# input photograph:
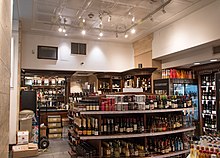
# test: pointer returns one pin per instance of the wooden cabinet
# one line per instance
(134, 78)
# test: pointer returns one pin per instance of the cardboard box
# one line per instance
(22, 151)
(22, 137)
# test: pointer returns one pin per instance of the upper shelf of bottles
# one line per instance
(117, 136)
(134, 111)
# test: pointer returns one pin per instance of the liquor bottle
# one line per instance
(108, 126)
(127, 152)
(121, 128)
(80, 129)
(128, 126)
(142, 125)
(92, 120)
(147, 104)
(89, 131)
(131, 126)
(135, 126)
(84, 128)
(112, 126)
(117, 125)
(125, 125)
(96, 129)
(105, 126)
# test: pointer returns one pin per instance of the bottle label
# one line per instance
(97, 108)
(116, 128)
(147, 107)
(105, 128)
(96, 133)
(135, 127)
(121, 130)
(142, 128)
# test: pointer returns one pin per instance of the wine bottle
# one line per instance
(96, 130)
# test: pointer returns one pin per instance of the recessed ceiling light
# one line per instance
(99, 38)
(65, 34)
(126, 35)
(64, 30)
(213, 60)
(196, 63)
(83, 20)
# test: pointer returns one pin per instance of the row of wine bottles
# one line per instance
(167, 144)
(134, 124)
(209, 106)
(121, 148)
(141, 102)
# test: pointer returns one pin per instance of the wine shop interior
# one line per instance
(110, 78)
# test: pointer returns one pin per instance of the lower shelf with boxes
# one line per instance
(54, 126)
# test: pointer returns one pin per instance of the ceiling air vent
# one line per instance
(78, 48)
(216, 50)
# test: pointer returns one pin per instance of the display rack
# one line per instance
(77, 117)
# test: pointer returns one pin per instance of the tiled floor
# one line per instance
(58, 148)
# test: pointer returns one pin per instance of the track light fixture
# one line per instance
(126, 35)
(100, 34)
(163, 11)
(60, 29)
(133, 30)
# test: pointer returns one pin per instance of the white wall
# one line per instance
(195, 29)
(101, 56)
(14, 87)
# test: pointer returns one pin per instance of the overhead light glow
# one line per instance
(133, 19)
(99, 38)
(83, 20)
(64, 30)
(60, 29)
(83, 32)
(126, 35)
(109, 18)
(133, 31)
(196, 63)
(100, 34)
(65, 34)
(213, 60)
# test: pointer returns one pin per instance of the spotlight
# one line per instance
(65, 34)
(126, 35)
(83, 20)
(60, 29)
(109, 18)
(64, 30)
(133, 19)
(100, 34)
(83, 32)
(133, 31)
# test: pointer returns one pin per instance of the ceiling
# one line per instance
(46, 16)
